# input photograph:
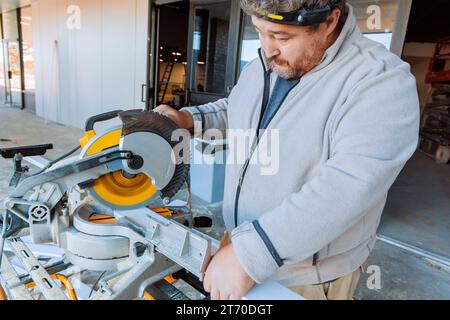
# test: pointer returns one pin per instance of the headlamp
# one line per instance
(303, 17)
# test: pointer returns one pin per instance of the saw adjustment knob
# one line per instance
(136, 163)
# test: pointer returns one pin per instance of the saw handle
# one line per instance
(101, 117)
(28, 151)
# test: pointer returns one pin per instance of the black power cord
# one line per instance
(52, 163)
(96, 283)
(3, 226)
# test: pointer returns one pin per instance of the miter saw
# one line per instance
(108, 207)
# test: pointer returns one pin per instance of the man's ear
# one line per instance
(333, 20)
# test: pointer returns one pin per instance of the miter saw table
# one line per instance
(108, 208)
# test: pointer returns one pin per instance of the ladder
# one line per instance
(164, 84)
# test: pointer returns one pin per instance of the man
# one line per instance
(347, 112)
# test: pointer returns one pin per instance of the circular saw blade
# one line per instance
(138, 121)
(117, 191)
(149, 135)
(157, 155)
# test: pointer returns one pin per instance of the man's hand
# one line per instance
(181, 118)
(225, 279)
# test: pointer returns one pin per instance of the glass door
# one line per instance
(209, 49)
(3, 76)
(249, 43)
(12, 59)
(28, 75)
(171, 54)
(13, 67)
(7, 73)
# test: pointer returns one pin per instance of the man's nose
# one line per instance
(270, 50)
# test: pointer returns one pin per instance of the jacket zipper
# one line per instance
(255, 144)
(256, 141)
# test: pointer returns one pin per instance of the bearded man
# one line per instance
(347, 114)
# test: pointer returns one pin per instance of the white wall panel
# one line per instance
(118, 44)
(140, 63)
(46, 58)
(88, 60)
(98, 68)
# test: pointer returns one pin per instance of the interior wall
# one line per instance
(419, 55)
(94, 69)
(388, 17)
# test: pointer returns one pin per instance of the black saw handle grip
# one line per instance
(101, 117)
(26, 151)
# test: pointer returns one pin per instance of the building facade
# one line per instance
(66, 60)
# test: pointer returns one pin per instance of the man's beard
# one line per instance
(302, 65)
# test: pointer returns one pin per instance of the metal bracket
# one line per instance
(37, 272)
(187, 247)
(12, 283)
(129, 283)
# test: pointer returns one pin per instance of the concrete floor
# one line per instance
(20, 128)
(403, 275)
(418, 207)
